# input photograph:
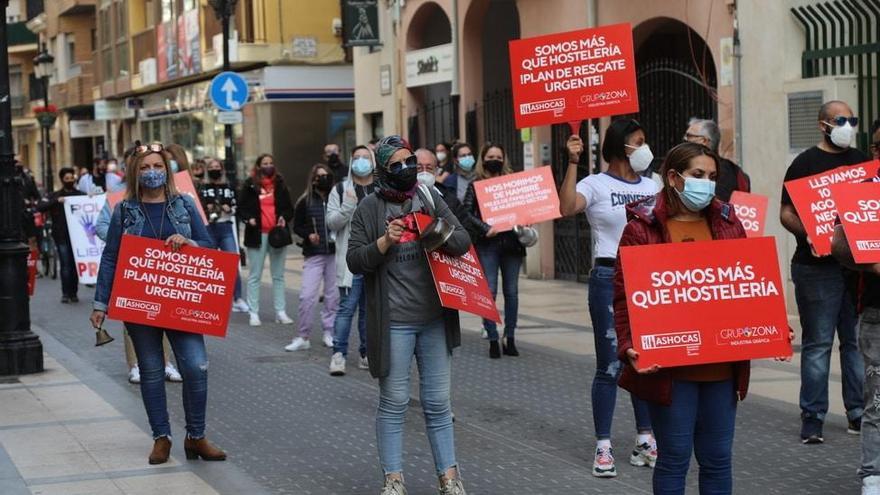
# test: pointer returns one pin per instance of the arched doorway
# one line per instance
(676, 78)
(492, 24)
(433, 118)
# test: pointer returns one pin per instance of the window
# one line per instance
(16, 89)
(167, 10)
(121, 20)
(93, 40)
(70, 50)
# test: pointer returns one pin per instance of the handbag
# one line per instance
(280, 237)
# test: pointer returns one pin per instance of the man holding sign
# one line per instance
(824, 297)
(154, 209)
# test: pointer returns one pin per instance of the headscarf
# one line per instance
(385, 149)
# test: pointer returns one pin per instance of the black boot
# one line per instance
(510, 347)
(494, 349)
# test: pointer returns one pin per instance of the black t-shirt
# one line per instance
(811, 162)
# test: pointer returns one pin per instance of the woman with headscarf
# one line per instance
(404, 315)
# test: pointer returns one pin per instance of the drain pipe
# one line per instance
(737, 69)
(455, 94)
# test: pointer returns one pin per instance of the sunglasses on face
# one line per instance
(840, 121)
(410, 161)
(152, 147)
(688, 137)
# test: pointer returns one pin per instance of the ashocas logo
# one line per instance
(676, 339)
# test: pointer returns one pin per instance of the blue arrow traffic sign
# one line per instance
(229, 91)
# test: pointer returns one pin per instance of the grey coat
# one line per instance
(364, 257)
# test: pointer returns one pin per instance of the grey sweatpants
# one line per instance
(869, 344)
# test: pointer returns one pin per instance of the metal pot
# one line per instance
(527, 236)
(436, 234)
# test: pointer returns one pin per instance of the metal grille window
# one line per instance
(803, 109)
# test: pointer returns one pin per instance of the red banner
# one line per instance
(705, 302)
(460, 281)
(573, 76)
(189, 290)
(751, 209)
(815, 206)
(184, 183)
(859, 209)
(523, 198)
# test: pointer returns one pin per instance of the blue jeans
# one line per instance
(192, 361)
(427, 341)
(701, 420)
(825, 305)
(608, 367)
(256, 259)
(351, 299)
(67, 266)
(492, 259)
(225, 239)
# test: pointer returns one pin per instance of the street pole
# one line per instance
(224, 9)
(20, 349)
(47, 144)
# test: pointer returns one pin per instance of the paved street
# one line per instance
(522, 424)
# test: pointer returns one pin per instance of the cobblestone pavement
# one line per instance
(523, 425)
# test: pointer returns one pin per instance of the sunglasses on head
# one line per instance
(410, 161)
(152, 148)
(839, 121)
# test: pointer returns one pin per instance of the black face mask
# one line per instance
(493, 166)
(323, 182)
(404, 180)
(215, 174)
(69, 185)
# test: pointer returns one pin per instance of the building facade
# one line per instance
(25, 89)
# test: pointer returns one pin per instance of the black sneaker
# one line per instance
(65, 300)
(74, 299)
(811, 431)
(854, 426)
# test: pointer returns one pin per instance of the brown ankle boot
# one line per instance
(202, 448)
(161, 451)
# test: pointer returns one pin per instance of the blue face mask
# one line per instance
(153, 178)
(697, 193)
(466, 163)
(174, 166)
(361, 167)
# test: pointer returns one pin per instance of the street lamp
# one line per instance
(20, 349)
(224, 9)
(43, 70)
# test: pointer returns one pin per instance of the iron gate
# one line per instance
(571, 235)
(671, 91)
(500, 127)
(438, 120)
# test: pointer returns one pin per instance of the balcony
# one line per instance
(76, 91)
(18, 33)
(75, 7)
(143, 46)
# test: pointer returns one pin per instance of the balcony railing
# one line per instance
(76, 91)
(143, 46)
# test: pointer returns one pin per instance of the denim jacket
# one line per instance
(128, 218)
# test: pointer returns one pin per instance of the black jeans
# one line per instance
(69, 278)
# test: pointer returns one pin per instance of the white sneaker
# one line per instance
(484, 334)
(871, 485)
(603, 463)
(328, 339)
(255, 320)
(239, 306)
(171, 373)
(644, 454)
(281, 317)
(134, 375)
(298, 344)
(363, 363)
(337, 364)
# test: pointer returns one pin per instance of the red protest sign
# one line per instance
(189, 290)
(573, 76)
(705, 302)
(460, 280)
(185, 185)
(523, 198)
(815, 206)
(751, 209)
(859, 209)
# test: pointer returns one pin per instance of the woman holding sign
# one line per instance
(693, 408)
(497, 251)
(153, 208)
(404, 315)
(603, 197)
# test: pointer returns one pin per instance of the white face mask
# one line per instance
(842, 135)
(441, 156)
(426, 178)
(641, 158)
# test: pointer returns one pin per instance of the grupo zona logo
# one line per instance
(672, 339)
(556, 105)
(196, 314)
(749, 335)
(150, 308)
(455, 290)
